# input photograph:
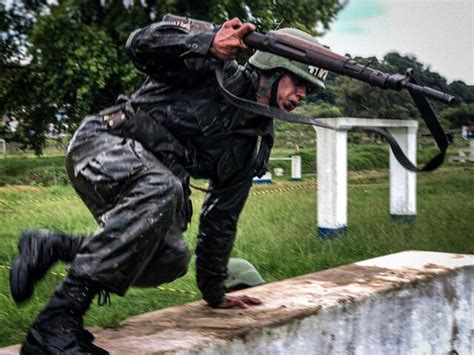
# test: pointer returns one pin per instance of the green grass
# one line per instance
(49, 170)
(276, 233)
(30, 170)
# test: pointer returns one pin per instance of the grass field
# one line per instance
(276, 234)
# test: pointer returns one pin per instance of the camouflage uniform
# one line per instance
(134, 177)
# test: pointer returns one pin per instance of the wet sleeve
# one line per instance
(162, 44)
(217, 230)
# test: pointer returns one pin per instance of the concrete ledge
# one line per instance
(406, 303)
(330, 233)
(349, 122)
(403, 218)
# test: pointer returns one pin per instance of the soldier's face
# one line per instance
(291, 90)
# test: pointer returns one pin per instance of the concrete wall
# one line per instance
(425, 316)
(405, 303)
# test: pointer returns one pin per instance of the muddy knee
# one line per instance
(168, 264)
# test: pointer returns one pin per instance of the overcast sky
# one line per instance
(440, 33)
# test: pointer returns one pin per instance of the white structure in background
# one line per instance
(278, 171)
(467, 134)
(10, 122)
(265, 179)
(332, 172)
(295, 166)
(3, 144)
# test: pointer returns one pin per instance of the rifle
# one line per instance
(317, 55)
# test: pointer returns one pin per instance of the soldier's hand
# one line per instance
(238, 302)
(228, 40)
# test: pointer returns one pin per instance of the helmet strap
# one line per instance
(272, 83)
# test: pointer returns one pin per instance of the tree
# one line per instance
(458, 116)
(359, 99)
(74, 60)
(13, 28)
(462, 91)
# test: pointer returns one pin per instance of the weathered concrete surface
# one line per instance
(405, 303)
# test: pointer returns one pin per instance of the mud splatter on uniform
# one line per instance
(134, 178)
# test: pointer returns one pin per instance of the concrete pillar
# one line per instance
(332, 182)
(3, 144)
(402, 181)
(332, 172)
(295, 167)
(471, 150)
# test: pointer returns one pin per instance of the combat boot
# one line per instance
(39, 250)
(58, 329)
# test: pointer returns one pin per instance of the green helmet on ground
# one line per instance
(268, 61)
(241, 274)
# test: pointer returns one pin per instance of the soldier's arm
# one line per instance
(163, 44)
(217, 230)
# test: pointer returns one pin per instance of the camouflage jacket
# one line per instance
(181, 116)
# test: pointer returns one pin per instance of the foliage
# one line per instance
(291, 135)
(358, 99)
(74, 59)
(462, 91)
(362, 155)
(44, 171)
(61, 60)
(458, 116)
(13, 29)
(320, 110)
(422, 74)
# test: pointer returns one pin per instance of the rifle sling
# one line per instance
(434, 126)
(422, 104)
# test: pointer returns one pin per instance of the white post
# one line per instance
(402, 181)
(332, 182)
(471, 150)
(4, 147)
(295, 167)
(332, 172)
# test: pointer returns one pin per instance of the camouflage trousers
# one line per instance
(138, 204)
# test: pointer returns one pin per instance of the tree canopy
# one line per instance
(61, 60)
(359, 99)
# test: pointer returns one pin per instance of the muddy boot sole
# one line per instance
(21, 278)
(21, 285)
(31, 347)
(28, 349)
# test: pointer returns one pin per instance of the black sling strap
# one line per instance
(420, 101)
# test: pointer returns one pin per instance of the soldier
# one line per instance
(131, 165)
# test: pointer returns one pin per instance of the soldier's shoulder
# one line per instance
(170, 26)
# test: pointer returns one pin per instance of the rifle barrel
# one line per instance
(317, 55)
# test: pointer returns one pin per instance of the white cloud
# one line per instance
(439, 32)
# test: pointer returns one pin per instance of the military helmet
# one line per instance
(269, 61)
(241, 274)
